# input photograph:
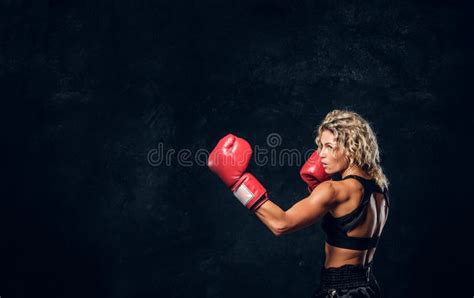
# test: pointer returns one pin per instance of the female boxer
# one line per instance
(352, 210)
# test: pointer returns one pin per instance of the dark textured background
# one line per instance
(88, 88)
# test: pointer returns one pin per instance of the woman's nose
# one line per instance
(322, 153)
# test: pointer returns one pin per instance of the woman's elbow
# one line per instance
(277, 233)
(279, 230)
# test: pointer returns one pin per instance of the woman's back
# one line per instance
(370, 225)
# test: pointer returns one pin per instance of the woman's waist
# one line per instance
(347, 276)
(336, 257)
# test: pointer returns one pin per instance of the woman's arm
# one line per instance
(300, 215)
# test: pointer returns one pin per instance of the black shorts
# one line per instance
(348, 281)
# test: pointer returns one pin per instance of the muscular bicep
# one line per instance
(312, 208)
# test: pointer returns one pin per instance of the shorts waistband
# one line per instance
(347, 276)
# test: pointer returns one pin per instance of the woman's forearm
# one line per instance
(273, 217)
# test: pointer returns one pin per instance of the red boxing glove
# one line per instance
(250, 192)
(229, 160)
(313, 172)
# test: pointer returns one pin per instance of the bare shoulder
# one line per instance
(326, 187)
(344, 189)
(324, 193)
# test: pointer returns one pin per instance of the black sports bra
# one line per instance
(336, 228)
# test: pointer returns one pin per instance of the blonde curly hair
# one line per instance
(354, 134)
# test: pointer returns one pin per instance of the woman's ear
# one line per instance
(350, 162)
(347, 159)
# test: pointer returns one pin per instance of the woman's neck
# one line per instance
(355, 170)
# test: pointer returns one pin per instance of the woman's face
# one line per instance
(332, 156)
